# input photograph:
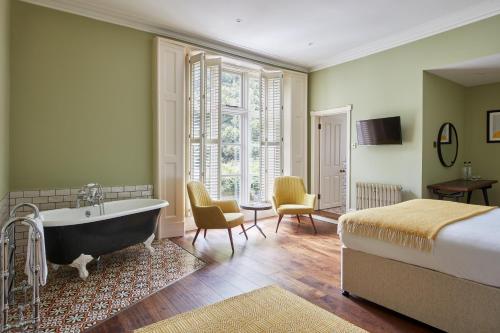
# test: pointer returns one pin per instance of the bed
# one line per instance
(455, 287)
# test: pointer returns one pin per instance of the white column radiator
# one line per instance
(370, 195)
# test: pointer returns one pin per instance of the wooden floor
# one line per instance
(295, 259)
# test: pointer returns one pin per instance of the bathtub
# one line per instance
(76, 236)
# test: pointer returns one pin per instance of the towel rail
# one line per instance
(26, 320)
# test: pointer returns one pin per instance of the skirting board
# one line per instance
(324, 219)
(440, 300)
(171, 229)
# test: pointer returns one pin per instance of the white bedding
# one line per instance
(468, 249)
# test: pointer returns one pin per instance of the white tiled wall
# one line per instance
(46, 199)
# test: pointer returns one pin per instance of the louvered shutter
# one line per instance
(212, 126)
(272, 145)
(263, 138)
(205, 115)
(196, 105)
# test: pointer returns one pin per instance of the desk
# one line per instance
(458, 187)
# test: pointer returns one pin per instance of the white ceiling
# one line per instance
(473, 72)
(339, 30)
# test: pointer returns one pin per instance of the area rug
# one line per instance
(121, 279)
(269, 309)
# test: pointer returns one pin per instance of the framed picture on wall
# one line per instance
(493, 126)
(445, 135)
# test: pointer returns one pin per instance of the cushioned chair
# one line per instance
(290, 198)
(213, 214)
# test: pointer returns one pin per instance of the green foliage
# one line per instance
(231, 128)
(230, 187)
(231, 84)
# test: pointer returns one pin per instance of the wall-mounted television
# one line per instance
(380, 131)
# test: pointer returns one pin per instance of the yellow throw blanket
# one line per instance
(413, 223)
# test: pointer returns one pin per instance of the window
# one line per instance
(232, 89)
(245, 108)
(231, 147)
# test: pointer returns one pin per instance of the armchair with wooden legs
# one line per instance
(290, 198)
(213, 214)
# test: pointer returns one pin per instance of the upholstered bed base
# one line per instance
(440, 300)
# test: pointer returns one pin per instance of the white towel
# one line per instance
(39, 252)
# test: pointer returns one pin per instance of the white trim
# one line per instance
(169, 132)
(175, 229)
(100, 13)
(481, 11)
(331, 112)
(315, 115)
(295, 127)
(478, 12)
(324, 219)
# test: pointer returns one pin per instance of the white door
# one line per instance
(332, 161)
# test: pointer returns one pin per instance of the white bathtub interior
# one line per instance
(113, 209)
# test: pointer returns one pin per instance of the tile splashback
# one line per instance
(4, 209)
(47, 199)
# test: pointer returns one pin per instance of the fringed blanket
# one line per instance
(413, 223)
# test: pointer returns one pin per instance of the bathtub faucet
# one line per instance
(91, 194)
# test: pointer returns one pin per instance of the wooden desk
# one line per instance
(458, 187)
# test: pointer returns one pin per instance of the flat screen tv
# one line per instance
(381, 131)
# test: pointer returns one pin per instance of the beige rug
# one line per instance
(269, 309)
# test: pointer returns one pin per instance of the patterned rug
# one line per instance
(121, 279)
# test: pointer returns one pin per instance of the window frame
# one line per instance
(240, 145)
(241, 73)
(244, 112)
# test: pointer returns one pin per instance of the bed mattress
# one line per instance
(469, 249)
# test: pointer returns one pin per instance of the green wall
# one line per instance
(4, 96)
(391, 83)
(485, 157)
(443, 101)
(81, 99)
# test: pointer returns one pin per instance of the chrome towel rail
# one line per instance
(25, 320)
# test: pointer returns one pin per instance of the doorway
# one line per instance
(330, 160)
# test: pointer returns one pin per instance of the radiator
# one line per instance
(370, 195)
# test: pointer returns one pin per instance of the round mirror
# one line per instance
(447, 144)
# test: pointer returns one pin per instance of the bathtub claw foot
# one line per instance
(80, 263)
(147, 244)
(55, 266)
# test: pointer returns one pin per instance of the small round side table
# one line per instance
(256, 206)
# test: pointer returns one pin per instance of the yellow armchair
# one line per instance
(213, 214)
(290, 198)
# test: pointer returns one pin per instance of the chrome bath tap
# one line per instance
(91, 195)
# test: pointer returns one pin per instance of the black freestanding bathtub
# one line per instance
(77, 236)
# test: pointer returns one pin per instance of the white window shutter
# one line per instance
(212, 126)
(169, 115)
(272, 147)
(196, 106)
(205, 122)
(263, 140)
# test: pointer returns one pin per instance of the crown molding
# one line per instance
(481, 11)
(122, 19)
